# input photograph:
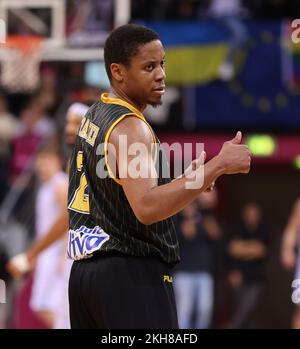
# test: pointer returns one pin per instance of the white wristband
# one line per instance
(21, 262)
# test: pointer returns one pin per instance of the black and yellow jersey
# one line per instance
(100, 216)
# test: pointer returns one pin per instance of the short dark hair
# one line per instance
(124, 42)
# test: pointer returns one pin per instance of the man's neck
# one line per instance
(118, 93)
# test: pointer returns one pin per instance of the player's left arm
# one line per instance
(59, 227)
(22, 263)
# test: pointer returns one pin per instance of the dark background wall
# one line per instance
(275, 191)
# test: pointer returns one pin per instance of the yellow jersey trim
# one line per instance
(108, 133)
(106, 99)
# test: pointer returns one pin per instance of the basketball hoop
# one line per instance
(20, 58)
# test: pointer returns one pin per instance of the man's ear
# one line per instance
(117, 71)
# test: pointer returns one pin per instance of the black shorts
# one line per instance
(112, 291)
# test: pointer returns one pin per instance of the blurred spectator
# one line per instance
(8, 128)
(290, 256)
(25, 143)
(47, 95)
(228, 13)
(43, 125)
(208, 205)
(51, 200)
(34, 127)
(87, 95)
(199, 232)
(74, 116)
(248, 250)
(89, 22)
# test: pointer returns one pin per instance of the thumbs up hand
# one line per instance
(234, 156)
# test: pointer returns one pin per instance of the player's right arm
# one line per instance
(290, 238)
(152, 203)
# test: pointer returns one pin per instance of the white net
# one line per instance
(20, 59)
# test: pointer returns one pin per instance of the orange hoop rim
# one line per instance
(27, 44)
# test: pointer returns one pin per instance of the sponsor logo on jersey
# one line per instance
(84, 241)
(168, 278)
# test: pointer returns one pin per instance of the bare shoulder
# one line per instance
(134, 128)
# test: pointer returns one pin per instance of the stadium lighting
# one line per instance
(261, 144)
(297, 162)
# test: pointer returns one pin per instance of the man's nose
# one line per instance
(161, 74)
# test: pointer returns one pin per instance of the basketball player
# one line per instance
(51, 200)
(289, 256)
(122, 235)
(24, 262)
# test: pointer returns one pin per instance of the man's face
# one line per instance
(144, 78)
(73, 122)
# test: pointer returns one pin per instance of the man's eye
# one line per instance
(149, 67)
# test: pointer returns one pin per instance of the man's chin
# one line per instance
(156, 103)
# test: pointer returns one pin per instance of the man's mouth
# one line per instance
(161, 90)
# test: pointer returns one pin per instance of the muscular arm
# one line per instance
(152, 203)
